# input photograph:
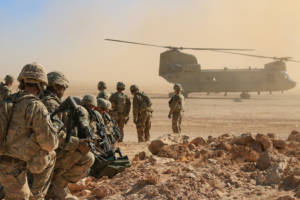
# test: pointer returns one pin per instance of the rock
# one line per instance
(198, 141)
(192, 147)
(142, 155)
(297, 192)
(244, 153)
(152, 178)
(264, 161)
(271, 135)
(174, 138)
(275, 173)
(244, 139)
(224, 145)
(155, 146)
(286, 197)
(290, 182)
(294, 136)
(264, 140)
(297, 172)
(279, 144)
(260, 179)
(103, 191)
(256, 146)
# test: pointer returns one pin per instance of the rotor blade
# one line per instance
(287, 59)
(217, 49)
(244, 54)
(179, 48)
(138, 43)
(296, 61)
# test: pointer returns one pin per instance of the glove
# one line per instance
(170, 116)
(135, 121)
(83, 146)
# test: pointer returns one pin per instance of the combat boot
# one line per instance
(60, 191)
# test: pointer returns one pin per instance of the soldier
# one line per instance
(120, 108)
(89, 102)
(102, 91)
(31, 138)
(104, 107)
(73, 158)
(142, 112)
(5, 88)
(176, 104)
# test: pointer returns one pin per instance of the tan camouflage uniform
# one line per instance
(142, 116)
(103, 94)
(30, 145)
(120, 110)
(31, 140)
(4, 91)
(71, 165)
(176, 104)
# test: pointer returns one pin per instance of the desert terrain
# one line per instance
(229, 149)
(215, 114)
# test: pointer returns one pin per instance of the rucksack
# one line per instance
(146, 99)
(6, 114)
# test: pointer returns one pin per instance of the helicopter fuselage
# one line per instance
(178, 67)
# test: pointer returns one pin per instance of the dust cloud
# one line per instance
(69, 36)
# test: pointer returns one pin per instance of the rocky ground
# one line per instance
(225, 167)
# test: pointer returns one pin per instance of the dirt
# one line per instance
(234, 150)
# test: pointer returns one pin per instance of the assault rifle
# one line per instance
(84, 131)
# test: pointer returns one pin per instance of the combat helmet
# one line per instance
(101, 85)
(89, 100)
(177, 86)
(120, 85)
(103, 103)
(33, 73)
(9, 79)
(57, 78)
(134, 88)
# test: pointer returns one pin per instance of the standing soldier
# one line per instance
(5, 88)
(73, 161)
(176, 104)
(120, 108)
(102, 91)
(142, 112)
(28, 138)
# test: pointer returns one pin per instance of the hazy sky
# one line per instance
(68, 35)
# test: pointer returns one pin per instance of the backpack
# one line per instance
(146, 99)
(6, 115)
(6, 111)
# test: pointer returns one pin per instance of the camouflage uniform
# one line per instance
(120, 108)
(176, 104)
(31, 140)
(71, 165)
(142, 112)
(103, 93)
(5, 90)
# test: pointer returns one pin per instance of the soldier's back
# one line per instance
(104, 95)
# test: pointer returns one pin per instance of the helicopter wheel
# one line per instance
(245, 95)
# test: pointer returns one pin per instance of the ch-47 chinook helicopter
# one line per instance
(178, 67)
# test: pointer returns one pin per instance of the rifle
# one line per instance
(116, 130)
(71, 106)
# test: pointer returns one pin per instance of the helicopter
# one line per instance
(178, 67)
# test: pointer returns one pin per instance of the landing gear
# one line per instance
(245, 95)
